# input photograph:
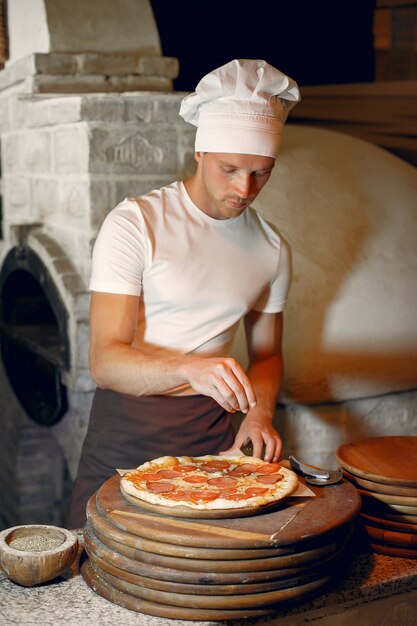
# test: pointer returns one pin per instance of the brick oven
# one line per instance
(68, 155)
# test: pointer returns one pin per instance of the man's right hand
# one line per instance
(223, 379)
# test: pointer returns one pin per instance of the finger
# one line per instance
(271, 449)
(228, 394)
(219, 398)
(258, 444)
(245, 388)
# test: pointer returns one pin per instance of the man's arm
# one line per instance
(264, 338)
(117, 364)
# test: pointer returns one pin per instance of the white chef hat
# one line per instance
(241, 108)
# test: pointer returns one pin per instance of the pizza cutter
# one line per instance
(314, 476)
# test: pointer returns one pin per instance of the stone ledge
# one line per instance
(66, 70)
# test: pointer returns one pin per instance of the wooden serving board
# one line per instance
(198, 567)
(391, 459)
(187, 606)
(371, 485)
(209, 590)
(128, 601)
(402, 553)
(302, 519)
(389, 524)
(288, 569)
(409, 502)
(392, 538)
(372, 503)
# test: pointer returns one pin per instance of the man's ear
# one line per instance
(198, 156)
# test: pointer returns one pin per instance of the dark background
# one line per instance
(315, 42)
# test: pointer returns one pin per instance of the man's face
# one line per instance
(228, 183)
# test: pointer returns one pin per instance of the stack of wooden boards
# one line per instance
(384, 470)
(221, 568)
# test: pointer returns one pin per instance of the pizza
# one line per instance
(209, 482)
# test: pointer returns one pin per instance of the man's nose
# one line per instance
(243, 185)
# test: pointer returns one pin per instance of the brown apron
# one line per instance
(125, 431)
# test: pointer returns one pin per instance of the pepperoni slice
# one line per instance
(269, 468)
(170, 473)
(269, 479)
(195, 479)
(244, 470)
(147, 476)
(256, 491)
(214, 466)
(237, 497)
(202, 496)
(160, 487)
(175, 495)
(223, 481)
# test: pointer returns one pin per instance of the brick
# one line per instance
(17, 199)
(93, 83)
(49, 63)
(103, 108)
(36, 151)
(138, 83)
(155, 107)
(107, 64)
(4, 115)
(45, 197)
(100, 201)
(73, 283)
(45, 245)
(70, 149)
(11, 152)
(158, 66)
(75, 203)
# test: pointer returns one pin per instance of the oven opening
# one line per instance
(33, 335)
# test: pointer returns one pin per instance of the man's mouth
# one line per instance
(238, 204)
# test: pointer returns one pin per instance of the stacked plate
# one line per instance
(216, 569)
(384, 470)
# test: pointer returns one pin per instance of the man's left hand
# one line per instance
(265, 440)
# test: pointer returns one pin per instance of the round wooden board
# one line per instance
(209, 589)
(300, 520)
(390, 459)
(371, 485)
(104, 589)
(104, 528)
(401, 517)
(401, 553)
(393, 538)
(409, 502)
(372, 503)
(190, 513)
(389, 524)
(193, 603)
(136, 561)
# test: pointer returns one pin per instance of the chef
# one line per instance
(173, 274)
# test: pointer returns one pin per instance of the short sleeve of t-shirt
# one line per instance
(273, 299)
(120, 252)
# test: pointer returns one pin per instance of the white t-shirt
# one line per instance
(196, 276)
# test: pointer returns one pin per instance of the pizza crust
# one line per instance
(133, 485)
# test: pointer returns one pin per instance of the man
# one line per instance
(173, 273)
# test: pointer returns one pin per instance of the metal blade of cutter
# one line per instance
(314, 475)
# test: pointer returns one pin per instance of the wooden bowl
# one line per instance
(32, 554)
